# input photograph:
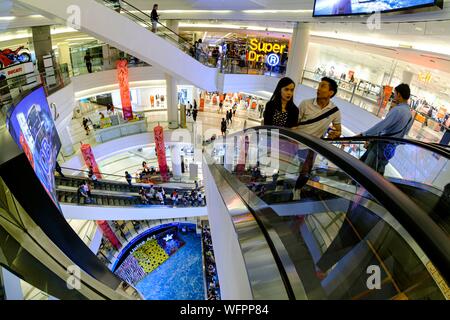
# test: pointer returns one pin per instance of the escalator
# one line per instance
(128, 31)
(347, 234)
(420, 170)
(112, 193)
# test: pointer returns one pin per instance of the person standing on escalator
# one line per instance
(397, 124)
(154, 16)
(281, 111)
(315, 117)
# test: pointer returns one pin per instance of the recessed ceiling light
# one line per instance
(36, 16)
(7, 18)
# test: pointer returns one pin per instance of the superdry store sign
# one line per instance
(259, 49)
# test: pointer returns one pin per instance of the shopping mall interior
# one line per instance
(137, 163)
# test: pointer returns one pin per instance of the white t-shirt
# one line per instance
(309, 109)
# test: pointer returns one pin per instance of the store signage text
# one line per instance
(256, 48)
(425, 77)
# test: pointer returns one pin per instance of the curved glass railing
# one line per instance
(332, 222)
(419, 169)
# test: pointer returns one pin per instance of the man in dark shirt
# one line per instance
(87, 59)
(154, 17)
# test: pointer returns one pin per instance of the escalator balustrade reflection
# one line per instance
(346, 224)
(420, 170)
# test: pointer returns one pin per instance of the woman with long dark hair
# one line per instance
(280, 110)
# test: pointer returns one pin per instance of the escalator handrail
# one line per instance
(115, 175)
(428, 235)
(145, 14)
(428, 146)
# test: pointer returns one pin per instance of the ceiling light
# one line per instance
(195, 11)
(276, 11)
(7, 18)
(36, 16)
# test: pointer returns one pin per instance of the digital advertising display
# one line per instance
(323, 8)
(31, 125)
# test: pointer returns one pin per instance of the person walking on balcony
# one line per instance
(223, 127)
(154, 17)
(194, 114)
(87, 60)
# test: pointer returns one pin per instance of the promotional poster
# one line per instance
(349, 7)
(32, 128)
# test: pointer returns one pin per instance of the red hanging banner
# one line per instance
(161, 152)
(122, 76)
(109, 234)
(202, 104)
(89, 159)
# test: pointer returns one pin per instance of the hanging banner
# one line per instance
(109, 234)
(202, 105)
(161, 152)
(122, 76)
(152, 101)
(89, 159)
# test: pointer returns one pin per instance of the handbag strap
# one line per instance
(320, 117)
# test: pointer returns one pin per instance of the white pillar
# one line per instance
(298, 52)
(196, 96)
(66, 139)
(64, 54)
(175, 156)
(11, 283)
(172, 101)
(407, 77)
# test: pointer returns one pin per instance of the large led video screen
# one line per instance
(351, 7)
(32, 127)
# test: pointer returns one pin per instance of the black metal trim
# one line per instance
(428, 146)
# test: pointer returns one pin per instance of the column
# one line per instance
(64, 54)
(42, 42)
(66, 140)
(407, 77)
(175, 156)
(172, 101)
(298, 51)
